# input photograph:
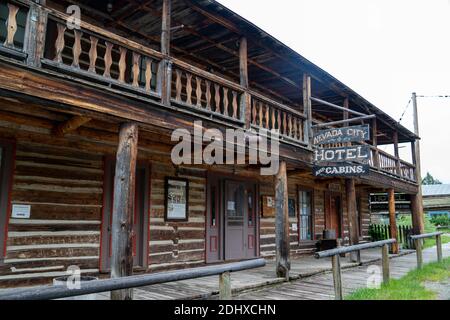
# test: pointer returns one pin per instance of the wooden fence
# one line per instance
(380, 232)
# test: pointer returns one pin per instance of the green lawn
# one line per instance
(428, 243)
(410, 287)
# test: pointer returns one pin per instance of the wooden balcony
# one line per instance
(101, 59)
(41, 39)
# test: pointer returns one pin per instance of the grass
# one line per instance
(428, 243)
(410, 287)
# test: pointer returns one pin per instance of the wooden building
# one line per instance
(436, 200)
(80, 100)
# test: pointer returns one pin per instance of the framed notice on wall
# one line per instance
(176, 198)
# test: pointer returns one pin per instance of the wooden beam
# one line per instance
(70, 125)
(350, 191)
(122, 219)
(345, 113)
(307, 108)
(165, 69)
(329, 124)
(393, 220)
(417, 214)
(282, 223)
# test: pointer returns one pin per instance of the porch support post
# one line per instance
(307, 107)
(282, 223)
(122, 219)
(243, 71)
(376, 158)
(397, 153)
(393, 221)
(165, 66)
(352, 217)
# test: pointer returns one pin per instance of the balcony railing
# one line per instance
(97, 57)
(41, 37)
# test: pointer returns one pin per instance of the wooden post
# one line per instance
(376, 159)
(35, 34)
(418, 219)
(397, 154)
(385, 262)
(165, 66)
(282, 223)
(245, 102)
(336, 264)
(122, 219)
(393, 221)
(439, 247)
(417, 214)
(418, 243)
(225, 286)
(352, 218)
(307, 106)
(345, 114)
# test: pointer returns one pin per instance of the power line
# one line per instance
(441, 96)
(404, 112)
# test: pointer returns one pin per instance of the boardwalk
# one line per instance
(320, 287)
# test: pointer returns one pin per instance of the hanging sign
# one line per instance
(341, 170)
(341, 135)
(355, 153)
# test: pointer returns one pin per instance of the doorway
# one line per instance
(333, 213)
(231, 220)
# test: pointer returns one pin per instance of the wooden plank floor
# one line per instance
(320, 287)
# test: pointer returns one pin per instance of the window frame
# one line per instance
(166, 199)
(6, 183)
(311, 215)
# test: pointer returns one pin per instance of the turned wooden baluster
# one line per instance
(261, 124)
(135, 69)
(108, 59)
(300, 130)
(267, 117)
(60, 43)
(93, 54)
(199, 92)
(76, 50)
(11, 25)
(290, 126)
(225, 101)
(284, 123)
(189, 88)
(273, 119)
(178, 85)
(279, 122)
(208, 95)
(217, 97)
(254, 112)
(148, 74)
(294, 128)
(122, 64)
(235, 104)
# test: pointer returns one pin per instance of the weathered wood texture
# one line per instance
(282, 223)
(352, 213)
(123, 207)
(393, 221)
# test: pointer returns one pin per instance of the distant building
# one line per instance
(436, 199)
(379, 207)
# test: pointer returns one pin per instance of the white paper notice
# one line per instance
(231, 205)
(20, 211)
(294, 227)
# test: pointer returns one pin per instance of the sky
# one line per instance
(382, 49)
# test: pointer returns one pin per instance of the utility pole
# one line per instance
(417, 202)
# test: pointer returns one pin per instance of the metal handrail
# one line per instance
(97, 286)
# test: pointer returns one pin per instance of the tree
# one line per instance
(430, 180)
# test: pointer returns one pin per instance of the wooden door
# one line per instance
(333, 213)
(236, 214)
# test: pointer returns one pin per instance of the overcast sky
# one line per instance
(383, 49)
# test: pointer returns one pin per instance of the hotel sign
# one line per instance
(341, 170)
(350, 161)
(341, 135)
(344, 154)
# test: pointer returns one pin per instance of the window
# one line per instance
(6, 171)
(305, 215)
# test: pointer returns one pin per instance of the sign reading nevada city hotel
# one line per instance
(347, 161)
